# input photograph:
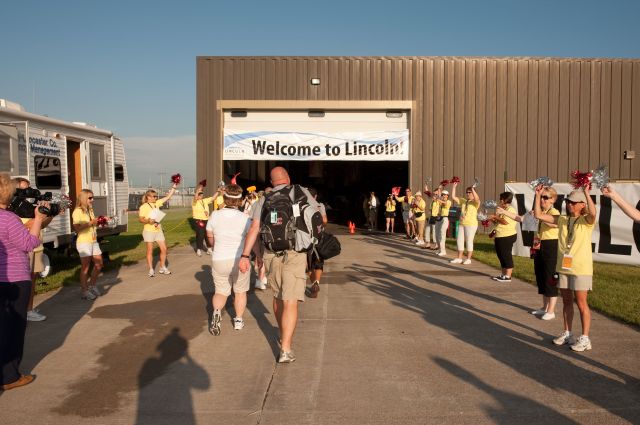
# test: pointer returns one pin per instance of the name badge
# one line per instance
(296, 210)
(567, 262)
(274, 217)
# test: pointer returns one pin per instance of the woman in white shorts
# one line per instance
(226, 231)
(575, 262)
(84, 223)
(468, 224)
(152, 231)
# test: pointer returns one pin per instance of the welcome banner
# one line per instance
(300, 146)
(616, 239)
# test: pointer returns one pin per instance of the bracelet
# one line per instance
(245, 256)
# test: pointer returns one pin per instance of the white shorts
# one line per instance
(227, 275)
(153, 236)
(88, 249)
(406, 216)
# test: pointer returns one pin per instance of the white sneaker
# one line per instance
(199, 253)
(583, 344)
(88, 295)
(565, 337)
(548, 316)
(466, 262)
(441, 254)
(35, 316)
(420, 243)
(151, 273)
(539, 312)
(209, 252)
(95, 291)
(164, 270)
(456, 261)
(238, 324)
(260, 284)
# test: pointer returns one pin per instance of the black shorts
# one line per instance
(545, 266)
(390, 214)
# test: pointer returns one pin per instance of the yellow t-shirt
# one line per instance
(435, 207)
(219, 203)
(200, 209)
(509, 229)
(444, 208)
(582, 261)
(406, 202)
(145, 211)
(421, 206)
(469, 213)
(545, 232)
(88, 234)
(390, 206)
(40, 247)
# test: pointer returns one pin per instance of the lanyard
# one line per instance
(570, 232)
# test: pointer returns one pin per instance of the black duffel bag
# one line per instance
(328, 246)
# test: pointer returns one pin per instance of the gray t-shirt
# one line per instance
(256, 210)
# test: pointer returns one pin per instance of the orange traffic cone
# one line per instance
(352, 228)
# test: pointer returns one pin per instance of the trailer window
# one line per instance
(48, 172)
(96, 153)
(118, 172)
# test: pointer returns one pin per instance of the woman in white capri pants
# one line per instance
(468, 222)
(442, 222)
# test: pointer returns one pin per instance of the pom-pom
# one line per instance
(176, 178)
(485, 223)
(581, 179)
(455, 179)
(221, 184)
(104, 221)
(203, 183)
(489, 204)
(482, 216)
(395, 190)
(428, 193)
(443, 183)
(63, 201)
(233, 179)
(476, 182)
(600, 177)
(544, 181)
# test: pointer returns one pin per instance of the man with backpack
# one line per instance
(279, 218)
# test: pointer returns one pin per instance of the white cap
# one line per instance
(418, 193)
(445, 192)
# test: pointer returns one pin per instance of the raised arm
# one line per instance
(591, 207)
(626, 207)
(537, 208)
(511, 215)
(453, 193)
(170, 194)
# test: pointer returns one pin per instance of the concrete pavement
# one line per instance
(396, 336)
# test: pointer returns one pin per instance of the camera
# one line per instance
(24, 200)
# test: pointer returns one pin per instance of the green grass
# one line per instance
(125, 249)
(616, 287)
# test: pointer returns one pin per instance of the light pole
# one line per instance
(161, 183)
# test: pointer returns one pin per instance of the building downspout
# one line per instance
(113, 181)
(28, 150)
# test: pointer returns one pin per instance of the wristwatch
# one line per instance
(245, 256)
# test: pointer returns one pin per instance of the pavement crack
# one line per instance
(266, 394)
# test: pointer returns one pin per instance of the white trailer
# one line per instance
(66, 157)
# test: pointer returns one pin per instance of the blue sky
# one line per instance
(130, 66)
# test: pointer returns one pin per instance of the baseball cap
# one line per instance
(418, 193)
(577, 196)
(445, 192)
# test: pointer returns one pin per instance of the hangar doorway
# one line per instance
(344, 154)
(340, 185)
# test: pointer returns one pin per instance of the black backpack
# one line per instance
(328, 246)
(280, 230)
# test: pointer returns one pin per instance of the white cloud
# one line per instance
(149, 156)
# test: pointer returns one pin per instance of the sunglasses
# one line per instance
(153, 196)
(469, 193)
(545, 197)
(90, 198)
(200, 193)
(572, 202)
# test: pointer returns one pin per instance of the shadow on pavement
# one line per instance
(550, 366)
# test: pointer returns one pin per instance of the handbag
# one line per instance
(419, 213)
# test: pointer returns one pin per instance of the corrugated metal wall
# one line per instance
(484, 117)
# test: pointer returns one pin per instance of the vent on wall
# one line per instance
(316, 114)
(239, 114)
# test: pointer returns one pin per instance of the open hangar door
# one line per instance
(343, 154)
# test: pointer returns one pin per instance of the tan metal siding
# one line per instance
(473, 116)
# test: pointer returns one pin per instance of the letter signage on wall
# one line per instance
(616, 239)
(298, 146)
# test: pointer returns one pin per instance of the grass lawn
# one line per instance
(125, 249)
(616, 287)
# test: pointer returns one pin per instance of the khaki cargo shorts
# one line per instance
(287, 274)
(36, 261)
(575, 283)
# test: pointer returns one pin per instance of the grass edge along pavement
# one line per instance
(124, 249)
(616, 287)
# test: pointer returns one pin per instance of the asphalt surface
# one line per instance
(396, 336)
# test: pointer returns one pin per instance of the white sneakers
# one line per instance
(583, 344)
(209, 251)
(456, 261)
(420, 243)
(95, 291)
(238, 323)
(548, 316)
(88, 295)
(35, 316)
(466, 262)
(261, 284)
(151, 273)
(199, 252)
(565, 337)
(539, 312)
(164, 270)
